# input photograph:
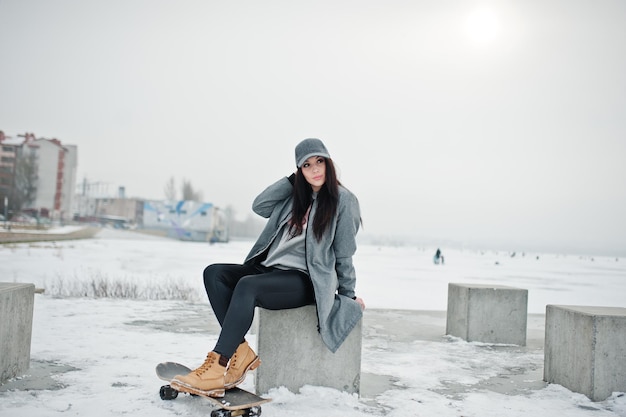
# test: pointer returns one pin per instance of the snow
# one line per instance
(117, 305)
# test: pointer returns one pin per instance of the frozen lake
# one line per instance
(95, 355)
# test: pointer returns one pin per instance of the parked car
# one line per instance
(23, 218)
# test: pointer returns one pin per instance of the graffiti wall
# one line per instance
(186, 220)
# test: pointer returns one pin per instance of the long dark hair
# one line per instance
(327, 201)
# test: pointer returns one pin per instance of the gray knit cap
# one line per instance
(308, 148)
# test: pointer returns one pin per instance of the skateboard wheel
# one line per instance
(253, 411)
(168, 393)
(220, 413)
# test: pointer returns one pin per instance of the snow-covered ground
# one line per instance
(101, 352)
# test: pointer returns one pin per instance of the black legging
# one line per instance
(235, 290)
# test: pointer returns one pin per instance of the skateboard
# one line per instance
(235, 402)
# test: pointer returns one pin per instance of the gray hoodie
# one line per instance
(329, 261)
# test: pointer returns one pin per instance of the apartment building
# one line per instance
(53, 174)
(9, 148)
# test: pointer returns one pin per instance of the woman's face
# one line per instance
(314, 171)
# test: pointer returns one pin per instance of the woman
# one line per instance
(303, 256)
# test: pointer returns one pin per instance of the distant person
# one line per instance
(303, 256)
(438, 258)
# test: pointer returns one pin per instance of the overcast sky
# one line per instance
(497, 122)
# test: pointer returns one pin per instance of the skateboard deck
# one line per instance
(236, 401)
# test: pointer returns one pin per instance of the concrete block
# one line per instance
(585, 349)
(487, 313)
(293, 355)
(16, 324)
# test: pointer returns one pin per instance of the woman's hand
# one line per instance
(361, 302)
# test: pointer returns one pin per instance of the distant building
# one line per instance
(8, 157)
(186, 220)
(52, 177)
(125, 212)
(56, 177)
(183, 220)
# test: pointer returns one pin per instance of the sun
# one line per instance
(482, 26)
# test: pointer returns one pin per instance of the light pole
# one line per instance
(6, 214)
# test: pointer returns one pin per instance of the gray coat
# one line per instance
(329, 261)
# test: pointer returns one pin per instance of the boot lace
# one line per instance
(233, 360)
(208, 363)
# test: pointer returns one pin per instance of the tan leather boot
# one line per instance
(243, 360)
(207, 380)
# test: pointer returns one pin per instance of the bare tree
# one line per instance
(25, 189)
(189, 194)
(170, 190)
